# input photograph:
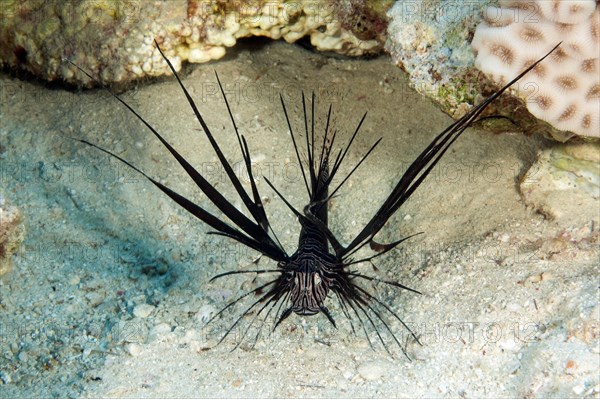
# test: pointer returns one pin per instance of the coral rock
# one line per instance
(113, 39)
(565, 90)
(564, 185)
(431, 40)
(11, 234)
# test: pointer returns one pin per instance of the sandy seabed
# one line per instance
(110, 291)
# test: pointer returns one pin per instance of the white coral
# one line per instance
(565, 89)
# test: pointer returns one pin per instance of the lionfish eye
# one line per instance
(289, 277)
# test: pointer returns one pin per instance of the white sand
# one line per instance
(107, 295)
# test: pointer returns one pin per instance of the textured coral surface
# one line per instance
(564, 181)
(431, 40)
(565, 90)
(114, 38)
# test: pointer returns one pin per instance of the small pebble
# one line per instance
(143, 310)
(578, 389)
(205, 313)
(547, 276)
(256, 158)
(5, 378)
(236, 383)
(161, 329)
(87, 350)
(23, 357)
(94, 298)
(510, 345)
(533, 279)
(189, 336)
(372, 370)
(134, 349)
(74, 280)
(513, 307)
(341, 383)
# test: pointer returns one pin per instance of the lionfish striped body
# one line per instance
(310, 271)
(321, 265)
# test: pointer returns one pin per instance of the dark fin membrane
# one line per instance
(252, 233)
(422, 166)
(269, 301)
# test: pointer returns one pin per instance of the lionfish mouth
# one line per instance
(306, 312)
(250, 227)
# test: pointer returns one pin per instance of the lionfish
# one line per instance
(321, 267)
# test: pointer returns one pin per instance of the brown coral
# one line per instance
(113, 39)
(11, 235)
